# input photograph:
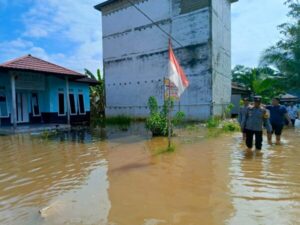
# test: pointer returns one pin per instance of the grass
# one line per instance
(217, 126)
(123, 122)
(118, 120)
(213, 122)
(166, 150)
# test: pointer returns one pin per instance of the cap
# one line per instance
(245, 99)
(257, 98)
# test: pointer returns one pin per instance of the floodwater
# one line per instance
(122, 178)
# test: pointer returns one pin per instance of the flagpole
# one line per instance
(169, 100)
(169, 116)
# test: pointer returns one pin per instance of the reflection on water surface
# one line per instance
(112, 177)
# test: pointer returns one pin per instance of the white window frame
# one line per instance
(80, 113)
(61, 92)
(32, 108)
(4, 92)
(72, 93)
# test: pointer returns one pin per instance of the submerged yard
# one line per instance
(112, 177)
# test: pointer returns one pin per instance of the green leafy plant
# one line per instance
(157, 122)
(227, 111)
(97, 97)
(262, 81)
(230, 126)
(285, 54)
(213, 122)
(216, 126)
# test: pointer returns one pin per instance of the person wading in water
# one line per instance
(278, 114)
(242, 114)
(255, 119)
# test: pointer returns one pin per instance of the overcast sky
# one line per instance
(68, 32)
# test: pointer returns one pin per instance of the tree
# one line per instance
(285, 54)
(260, 81)
(97, 95)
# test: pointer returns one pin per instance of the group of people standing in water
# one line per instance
(253, 117)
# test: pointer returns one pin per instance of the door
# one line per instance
(22, 107)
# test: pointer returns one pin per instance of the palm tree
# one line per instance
(97, 95)
(260, 81)
(285, 54)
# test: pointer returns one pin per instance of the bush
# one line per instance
(157, 122)
(230, 126)
(216, 126)
(213, 122)
(228, 110)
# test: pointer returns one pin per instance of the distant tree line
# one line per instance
(279, 68)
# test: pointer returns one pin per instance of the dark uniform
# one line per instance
(253, 123)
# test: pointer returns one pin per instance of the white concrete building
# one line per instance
(135, 54)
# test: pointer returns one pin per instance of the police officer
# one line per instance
(255, 119)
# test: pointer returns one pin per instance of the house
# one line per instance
(238, 93)
(135, 51)
(33, 91)
(288, 98)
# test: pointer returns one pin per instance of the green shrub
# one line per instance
(179, 117)
(157, 122)
(230, 126)
(213, 122)
(228, 110)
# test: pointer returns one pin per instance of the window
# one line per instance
(81, 104)
(3, 105)
(35, 104)
(72, 104)
(61, 104)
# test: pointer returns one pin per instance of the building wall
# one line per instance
(5, 88)
(56, 85)
(47, 89)
(136, 57)
(221, 54)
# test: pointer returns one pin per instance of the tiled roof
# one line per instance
(88, 80)
(31, 63)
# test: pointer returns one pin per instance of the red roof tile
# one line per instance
(31, 63)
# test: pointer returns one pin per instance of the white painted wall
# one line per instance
(221, 54)
(136, 59)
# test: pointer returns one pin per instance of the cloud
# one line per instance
(20, 47)
(254, 28)
(74, 29)
(65, 32)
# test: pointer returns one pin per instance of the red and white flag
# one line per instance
(176, 73)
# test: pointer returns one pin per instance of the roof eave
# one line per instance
(107, 2)
(76, 76)
(99, 6)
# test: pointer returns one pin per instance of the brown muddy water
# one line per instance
(120, 178)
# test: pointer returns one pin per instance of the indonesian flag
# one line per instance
(176, 73)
